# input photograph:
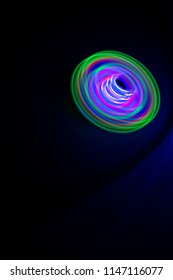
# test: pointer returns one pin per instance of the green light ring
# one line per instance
(80, 74)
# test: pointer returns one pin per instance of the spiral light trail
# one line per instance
(115, 92)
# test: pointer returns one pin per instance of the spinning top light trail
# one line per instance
(115, 92)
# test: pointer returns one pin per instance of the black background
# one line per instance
(73, 191)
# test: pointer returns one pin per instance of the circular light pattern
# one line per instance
(115, 92)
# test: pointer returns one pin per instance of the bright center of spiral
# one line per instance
(117, 88)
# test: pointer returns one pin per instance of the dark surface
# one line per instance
(73, 191)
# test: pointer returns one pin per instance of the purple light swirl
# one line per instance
(115, 92)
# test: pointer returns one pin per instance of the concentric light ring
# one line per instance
(115, 92)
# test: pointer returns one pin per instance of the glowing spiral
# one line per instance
(115, 91)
